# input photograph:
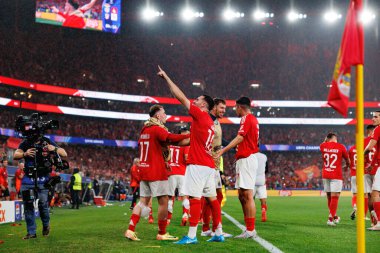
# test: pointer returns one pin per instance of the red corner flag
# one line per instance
(351, 52)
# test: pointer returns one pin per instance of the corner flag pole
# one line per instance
(360, 232)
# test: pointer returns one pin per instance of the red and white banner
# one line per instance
(160, 100)
(171, 118)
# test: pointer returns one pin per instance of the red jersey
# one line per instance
(135, 176)
(152, 164)
(18, 180)
(4, 177)
(201, 137)
(376, 157)
(177, 160)
(74, 20)
(249, 129)
(353, 158)
(332, 154)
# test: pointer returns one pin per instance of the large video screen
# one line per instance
(100, 15)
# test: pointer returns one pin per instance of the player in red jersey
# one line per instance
(177, 163)
(246, 163)
(135, 182)
(4, 180)
(153, 172)
(200, 173)
(367, 177)
(332, 175)
(374, 168)
(19, 174)
(73, 14)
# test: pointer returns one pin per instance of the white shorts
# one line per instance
(218, 180)
(260, 192)
(199, 181)
(376, 181)
(246, 169)
(175, 182)
(367, 184)
(154, 188)
(332, 185)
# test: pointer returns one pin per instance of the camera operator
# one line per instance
(37, 150)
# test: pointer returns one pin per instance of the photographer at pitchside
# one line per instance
(40, 155)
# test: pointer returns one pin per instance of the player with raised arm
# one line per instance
(74, 14)
(200, 173)
(153, 172)
(216, 114)
(374, 169)
(332, 175)
(246, 142)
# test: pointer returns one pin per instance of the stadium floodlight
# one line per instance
(259, 15)
(367, 16)
(331, 16)
(188, 14)
(255, 85)
(196, 83)
(149, 14)
(294, 16)
(230, 14)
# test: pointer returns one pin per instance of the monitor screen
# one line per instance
(99, 15)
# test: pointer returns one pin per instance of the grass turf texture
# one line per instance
(295, 224)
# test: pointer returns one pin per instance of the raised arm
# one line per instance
(177, 93)
(236, 141)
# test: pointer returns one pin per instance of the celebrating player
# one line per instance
(332, 175)
(153, 174)
(246, 163)
(73, 14)
(200, 173)
(374, 168)
(367, 176)
(177, 163)
(216, 114)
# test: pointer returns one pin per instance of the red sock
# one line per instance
(162, 226)
(202, 204)
(185, 210)
(353, 201)
(376, 207)
(216, 214)
(133, 221)
(334, 205)
(219, 197)
(206, 215)
(169, 215)
(250, 223)
(264, 206)
(195, 212)
(328, 201)
(151, 212)
(365, 206)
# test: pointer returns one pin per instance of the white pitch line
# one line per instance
(267, 245)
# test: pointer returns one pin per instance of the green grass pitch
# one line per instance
(295, 224)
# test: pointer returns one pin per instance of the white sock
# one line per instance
(192, 232)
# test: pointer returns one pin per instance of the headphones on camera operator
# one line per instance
(40, 154)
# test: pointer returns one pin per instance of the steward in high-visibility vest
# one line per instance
(76, 184)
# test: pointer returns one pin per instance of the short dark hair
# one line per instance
(330, 135)
(73, 3)
(218, 101)
(370, 127)
(244, 101)
(154, 109)
(209, 101)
